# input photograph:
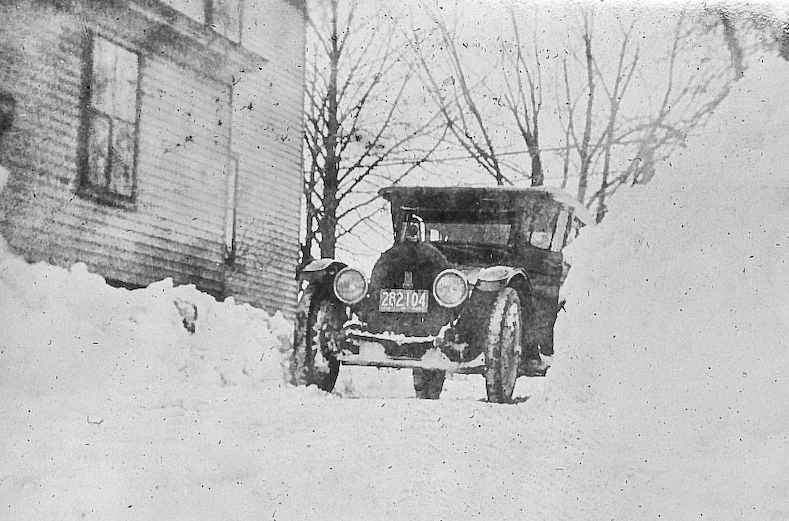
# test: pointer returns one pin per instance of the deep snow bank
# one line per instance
(674, 353)
(68, 332)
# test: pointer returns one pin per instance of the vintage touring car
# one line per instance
(471, 285)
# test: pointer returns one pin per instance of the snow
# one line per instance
(667, 398)
(676, 336)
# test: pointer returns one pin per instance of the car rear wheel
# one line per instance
(318, 319)
(503, 346)
(428, 383)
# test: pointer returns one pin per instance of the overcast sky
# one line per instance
(551, 30)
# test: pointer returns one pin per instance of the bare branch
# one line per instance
(583, 152)
(462, 101)
(353, 122)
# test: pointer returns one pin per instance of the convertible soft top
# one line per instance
(472, 197)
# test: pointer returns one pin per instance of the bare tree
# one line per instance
(685, 105)
(624, 73)
(582, 145)
(459, 105)
(524, 101)
(616, 117)
(635, 139)
(586, 149)
(356, 81)
(746, 30)
(465, 103)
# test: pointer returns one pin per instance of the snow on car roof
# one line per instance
(557, 194)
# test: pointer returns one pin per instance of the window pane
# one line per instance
(103, 75)
(539, 222)
(114, 80)
(126, 85)
(540, 239)
(122, 162)
(98, 147)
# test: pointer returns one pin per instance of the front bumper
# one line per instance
(370, 349)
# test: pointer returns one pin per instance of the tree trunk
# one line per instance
(327, 226)
(537, 175)
(585, 156)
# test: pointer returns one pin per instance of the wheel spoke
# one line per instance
(320, 363)
(511, 349)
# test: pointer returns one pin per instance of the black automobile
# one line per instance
(471, 285)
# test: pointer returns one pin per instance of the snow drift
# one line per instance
(675, 342)
(115, 403)
(68, 332)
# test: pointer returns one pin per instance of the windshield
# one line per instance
(469, 233)
(530, 222)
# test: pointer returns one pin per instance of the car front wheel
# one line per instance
(503, 346)
(318, 319)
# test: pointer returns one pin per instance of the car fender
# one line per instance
(496, 277)
(487, 282)
(321, 269)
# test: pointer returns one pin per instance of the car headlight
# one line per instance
(350, 286)
(450, 288)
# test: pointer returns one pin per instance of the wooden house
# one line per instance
(157, 138)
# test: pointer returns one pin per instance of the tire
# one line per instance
(503, 346)
(318, 319)
(428, 383)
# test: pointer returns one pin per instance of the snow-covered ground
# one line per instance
(675, 347)
(669, 398)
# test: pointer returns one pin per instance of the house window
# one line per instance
(110, 122)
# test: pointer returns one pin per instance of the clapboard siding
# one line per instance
(183, 149)
(267, 123)
(194, 113)
(182, 152)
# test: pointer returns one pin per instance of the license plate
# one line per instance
(403, 300)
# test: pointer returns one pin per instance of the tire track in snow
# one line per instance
(403, 458)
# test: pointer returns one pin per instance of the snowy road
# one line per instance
(291, 454)
(400, 457)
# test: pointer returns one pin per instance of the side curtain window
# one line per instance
(539, 222)
(109, 140)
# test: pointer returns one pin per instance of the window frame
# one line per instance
(563, 220)
(103, 193)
